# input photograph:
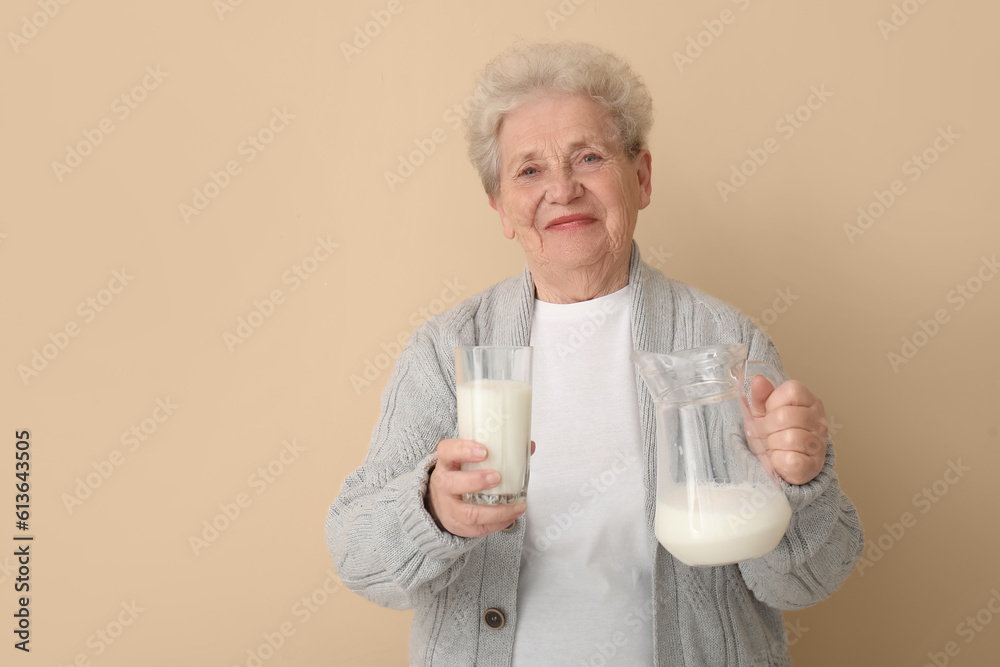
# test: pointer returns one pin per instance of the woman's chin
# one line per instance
(578, 253)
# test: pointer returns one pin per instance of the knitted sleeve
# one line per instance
(824, 539)
(385, 545)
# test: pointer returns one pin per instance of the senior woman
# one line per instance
(575, 575)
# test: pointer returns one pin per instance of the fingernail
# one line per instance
(493, 478)
(479, 452)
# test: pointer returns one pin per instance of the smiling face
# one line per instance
(568, 192)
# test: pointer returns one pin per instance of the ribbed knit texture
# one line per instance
(387, 548)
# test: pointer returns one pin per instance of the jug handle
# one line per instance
(772, 375)
(769, 372)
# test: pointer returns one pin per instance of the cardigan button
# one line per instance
(509, 528)
(494, 618)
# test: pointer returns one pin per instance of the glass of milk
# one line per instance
(717, 501)
(493, 387)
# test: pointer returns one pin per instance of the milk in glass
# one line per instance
(497, 414)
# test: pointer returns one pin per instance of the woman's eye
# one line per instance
(591, 158)
(528, 171)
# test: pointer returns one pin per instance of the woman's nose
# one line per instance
(563, 186)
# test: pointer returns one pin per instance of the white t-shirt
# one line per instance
(585, 587)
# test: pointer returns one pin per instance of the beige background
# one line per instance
(430, 240)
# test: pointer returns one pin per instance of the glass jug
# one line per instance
(717, 501)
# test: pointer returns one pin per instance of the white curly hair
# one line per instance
(525, 70)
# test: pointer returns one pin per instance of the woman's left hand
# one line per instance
(789, 427)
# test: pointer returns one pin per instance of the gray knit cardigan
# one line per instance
(387, 548)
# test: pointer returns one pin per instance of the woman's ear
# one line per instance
(644, 171)
(508, 227)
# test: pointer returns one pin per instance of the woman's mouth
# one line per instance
(570, 221)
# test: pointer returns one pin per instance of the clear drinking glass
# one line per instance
(493, 386)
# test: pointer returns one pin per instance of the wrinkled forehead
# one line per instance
(555, 127)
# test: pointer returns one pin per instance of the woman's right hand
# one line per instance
(448, 482)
